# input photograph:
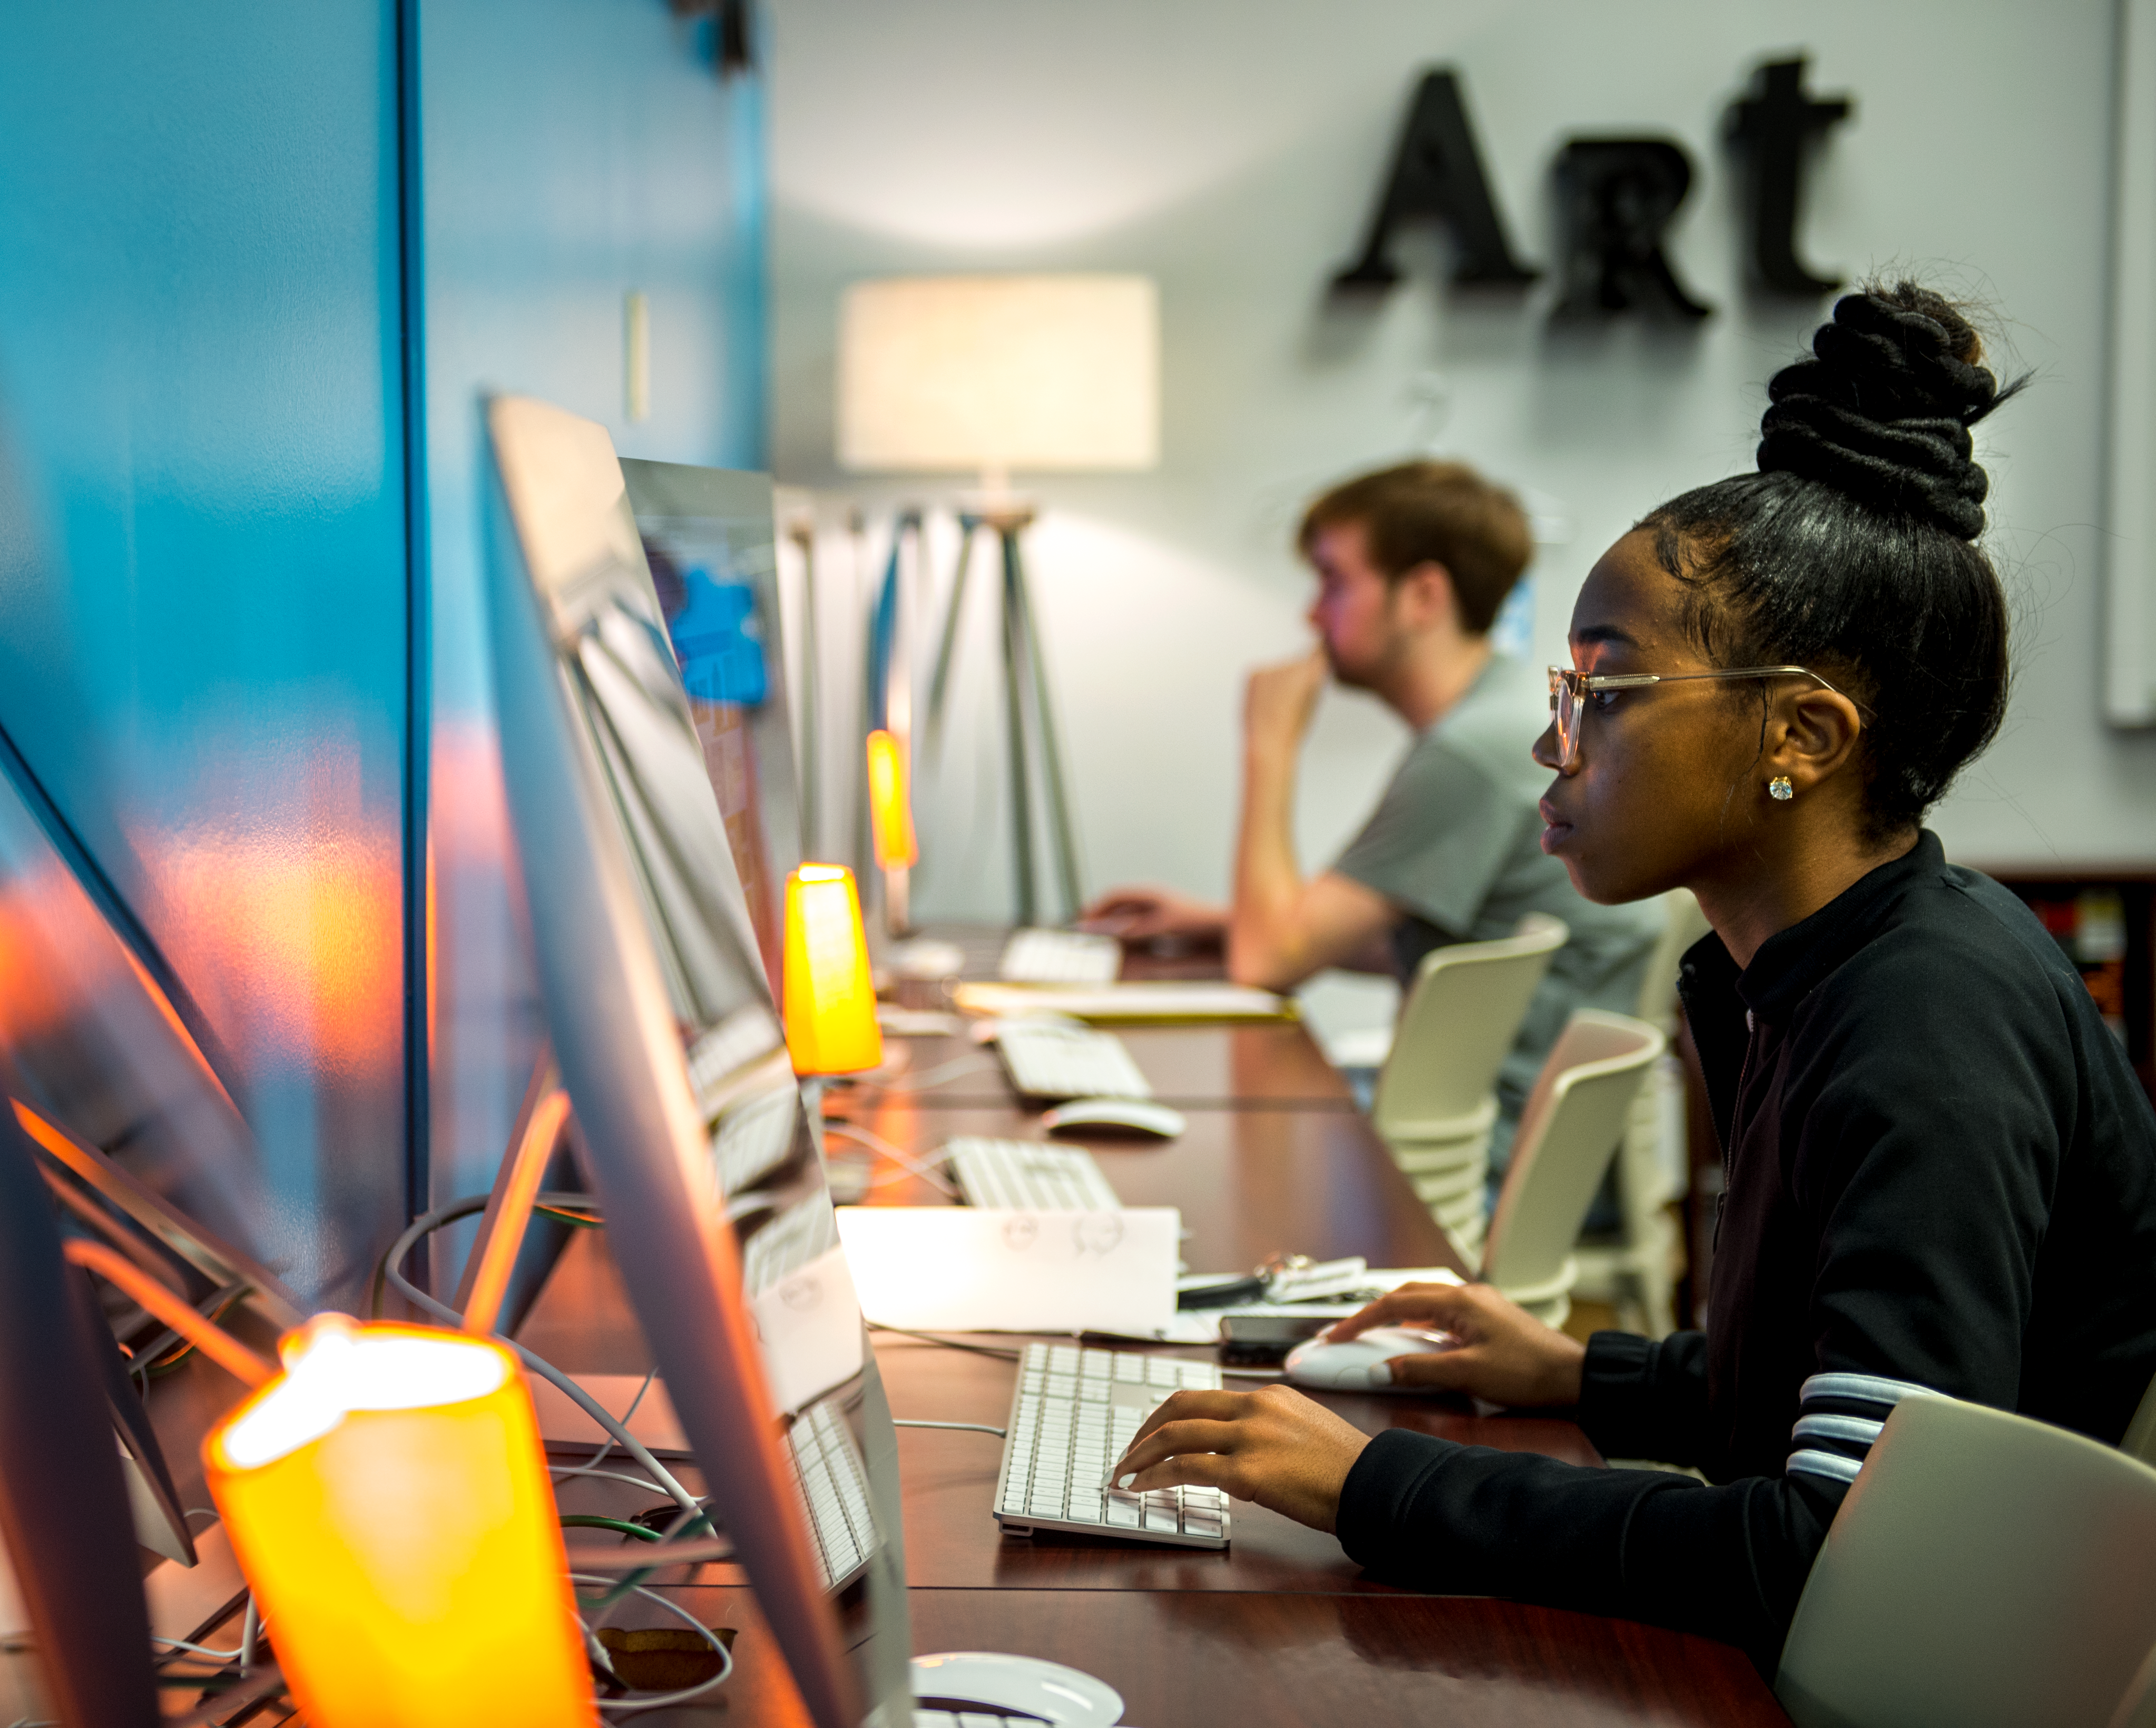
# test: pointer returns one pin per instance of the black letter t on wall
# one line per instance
(1770, 128)
(1437, 172)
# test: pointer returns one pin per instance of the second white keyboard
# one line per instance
(1061, 957)
(1072, 1415)
(1055, 1060)
(1027, 1176)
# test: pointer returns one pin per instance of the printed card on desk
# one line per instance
(974, 1269)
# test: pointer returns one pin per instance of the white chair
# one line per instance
(1569, 1131)
(1985, 1572)
(1435, 1105)
(1635, 1269)
(2138, 1709)
(2140, 1441)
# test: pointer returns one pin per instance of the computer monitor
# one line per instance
(711, 542)
(116, 1127)
(662, 1015)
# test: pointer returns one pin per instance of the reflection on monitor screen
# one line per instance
(661, 1009)
(709, 539)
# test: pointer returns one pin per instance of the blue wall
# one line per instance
(202, 608)
(572, 150)
(204, 582)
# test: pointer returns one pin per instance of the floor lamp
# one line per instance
(990, 376)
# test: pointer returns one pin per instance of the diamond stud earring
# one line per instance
(1779, 789)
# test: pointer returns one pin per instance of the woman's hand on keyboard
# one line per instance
(1506, 1355)
(1273, 1446)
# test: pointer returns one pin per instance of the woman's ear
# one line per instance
(1812, 738)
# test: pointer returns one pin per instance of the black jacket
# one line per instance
(1941, 1173)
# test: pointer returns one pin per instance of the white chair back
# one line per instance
(1455, 1029)
(1569, 1132)
(1985, 1572)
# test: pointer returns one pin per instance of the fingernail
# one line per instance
(1381, 1373)
(1127, 1478)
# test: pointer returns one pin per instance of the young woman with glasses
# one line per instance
(1941, 1171)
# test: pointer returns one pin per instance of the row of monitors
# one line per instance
(639, 671)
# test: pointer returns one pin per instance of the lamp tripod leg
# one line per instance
(1061, 829)
(1014, 645)
(946, 645)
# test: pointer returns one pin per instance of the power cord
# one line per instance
(971, 1428)
(1007, 1356)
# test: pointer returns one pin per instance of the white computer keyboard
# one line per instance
(1029, 1176)
(1061, 957)
(1055, 1060)
(834, 1494)
(1072, 1415)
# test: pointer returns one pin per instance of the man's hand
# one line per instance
(1279, 700)
(1140, 914)
(1506, 1355)
(1275, 1446)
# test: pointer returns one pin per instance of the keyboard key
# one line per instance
(1121, 1516)
(1162, 1523)
(1195, 1525)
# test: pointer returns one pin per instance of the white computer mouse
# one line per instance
(1025, 1684)
(1346, 1367)
(1127, 1116)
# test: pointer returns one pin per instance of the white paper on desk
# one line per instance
(1203, 1000)
(1202, 1325)
(978, 1268)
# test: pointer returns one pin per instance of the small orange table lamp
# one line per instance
(829, 996)
(890, 820)
(387, 1499)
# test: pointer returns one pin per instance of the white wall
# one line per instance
(1232, 149)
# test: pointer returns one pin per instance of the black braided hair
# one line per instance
(1852, 550)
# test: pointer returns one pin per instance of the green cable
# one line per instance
(587, 1520)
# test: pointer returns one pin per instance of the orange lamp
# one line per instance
(387, 1499)
(891, 808)
(829, 998)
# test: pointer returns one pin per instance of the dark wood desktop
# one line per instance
(1282, 1627)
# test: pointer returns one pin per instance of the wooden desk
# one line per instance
(1282, 1628)
(1249, 1183)
(1269, 1064)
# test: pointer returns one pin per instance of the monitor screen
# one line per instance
(662, 1013)
(710, 541)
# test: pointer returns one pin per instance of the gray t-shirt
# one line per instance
(1455, 844)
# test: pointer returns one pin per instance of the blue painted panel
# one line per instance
(203, 603)
(570, 151)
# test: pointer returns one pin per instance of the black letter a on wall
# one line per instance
(1437, 172)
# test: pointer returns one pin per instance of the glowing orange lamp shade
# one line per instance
(891, 810)
(830, 998)
(387, 1498)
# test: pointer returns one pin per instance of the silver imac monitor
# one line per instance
(710, 543)
(662, 1013)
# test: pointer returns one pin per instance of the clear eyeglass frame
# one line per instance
(1569, 689)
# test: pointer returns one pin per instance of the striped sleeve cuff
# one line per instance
(1839, 1417)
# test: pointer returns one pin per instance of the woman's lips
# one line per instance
(1557, 829)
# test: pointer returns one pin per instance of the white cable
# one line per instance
(971, 1428)
(539, 1365)
(659, 1700)
(924, 1169)
(628, 1416)
(181, 1643)
(559, 1476)
(905, 1081)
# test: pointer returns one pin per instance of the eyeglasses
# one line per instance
(1569, 689)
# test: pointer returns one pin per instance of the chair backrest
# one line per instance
(1456, 1028)
(2140, 1441)
(2138, 1709)
(1683, 924)
(1569, 1131)
(1985, 1571)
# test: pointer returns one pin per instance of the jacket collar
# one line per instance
(1789, 965)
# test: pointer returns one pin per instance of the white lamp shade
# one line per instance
(961, 373)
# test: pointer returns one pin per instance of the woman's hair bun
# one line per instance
(1882, 411)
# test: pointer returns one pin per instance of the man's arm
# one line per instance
(1283, 927)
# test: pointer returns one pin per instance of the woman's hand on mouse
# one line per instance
(1505, 1354)
(1273, 1446)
